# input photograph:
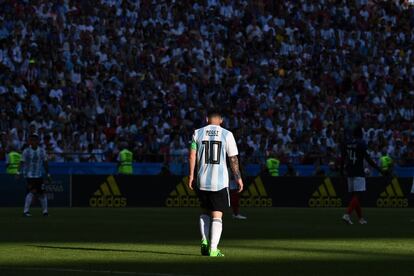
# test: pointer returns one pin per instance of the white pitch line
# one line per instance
(110, 272)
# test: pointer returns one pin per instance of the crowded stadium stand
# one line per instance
(291, 77)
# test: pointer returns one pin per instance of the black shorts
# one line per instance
(214, 201)
(36, 185)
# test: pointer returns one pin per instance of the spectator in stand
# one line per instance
(272, 164)
(125, 159)
(294, 72)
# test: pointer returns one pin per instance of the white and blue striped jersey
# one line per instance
(213, 144)
(33, 162)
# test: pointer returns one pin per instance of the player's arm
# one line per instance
(232, 152)
(23, 163)
(343, 158)
(372, 162)
(46, 165)
(235, 168)
(192, 162)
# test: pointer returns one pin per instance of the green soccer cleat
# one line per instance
(204, 248)
(216, 253)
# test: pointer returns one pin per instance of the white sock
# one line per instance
(28, 202)
(216, 229)
(43, 202)
(205, 222)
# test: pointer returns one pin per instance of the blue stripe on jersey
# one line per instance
(200, 135)
(200, 149)
(222, 159)
(201, 152)
(209, 171)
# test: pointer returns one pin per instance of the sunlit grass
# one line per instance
(165, 241)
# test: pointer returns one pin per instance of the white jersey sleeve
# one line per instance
(231, 147)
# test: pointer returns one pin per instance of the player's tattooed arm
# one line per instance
(235, 168)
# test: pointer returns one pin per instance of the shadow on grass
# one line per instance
(358, 253)
(110, 250)
(225, 266)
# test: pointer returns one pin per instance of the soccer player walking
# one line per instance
(33, 159)
(210, 146)
(354, 152)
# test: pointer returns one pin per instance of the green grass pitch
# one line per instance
(162, 241)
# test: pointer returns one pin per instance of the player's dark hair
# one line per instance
(214, 112)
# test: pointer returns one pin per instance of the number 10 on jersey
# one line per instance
(212, 151)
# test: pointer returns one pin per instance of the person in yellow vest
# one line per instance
(125, 158)
(386, 163)
(13, 160)
(273, 164)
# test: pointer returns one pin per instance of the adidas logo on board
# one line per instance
(108, 195)
(325, 196)
(393, 196)
(182, 196)
(255, 195)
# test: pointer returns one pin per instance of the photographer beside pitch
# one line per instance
(209, 147)
(33, 159)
